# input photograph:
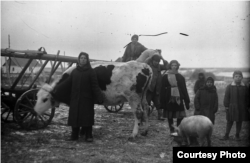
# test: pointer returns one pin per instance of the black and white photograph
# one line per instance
(124, 81)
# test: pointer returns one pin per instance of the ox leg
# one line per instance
(145, 118)
(135, 129)
(134, 104)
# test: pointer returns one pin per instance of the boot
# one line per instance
(83, 131)
(160, 117)
(225, 137)
(89, 136)
(170, 123)
(238, 128)
(74, 134)
(229, 126)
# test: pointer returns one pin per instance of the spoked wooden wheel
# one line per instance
(6, 113)
(25, 115)
(114, 109)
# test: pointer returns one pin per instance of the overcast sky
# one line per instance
(218, 31)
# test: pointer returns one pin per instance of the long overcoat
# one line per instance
(166, 94)
(206, 102)
(83, 90)
(237, 100)
(199, 84)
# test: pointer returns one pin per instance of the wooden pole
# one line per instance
(9, 40)
(7, 65)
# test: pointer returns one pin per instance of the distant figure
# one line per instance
(133, 49)
(200, 82)
(236, 102)
(206, 100)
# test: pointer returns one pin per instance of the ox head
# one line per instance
(44, 99)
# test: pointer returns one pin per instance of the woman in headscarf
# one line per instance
(200, 82)
(174, 95)
(206, 100)
(82, 85)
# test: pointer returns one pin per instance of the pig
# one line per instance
(195, 126)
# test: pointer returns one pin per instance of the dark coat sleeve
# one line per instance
(227, 97)
(126, 53)
(196, 86)
(185, 92)
(197, 101)
(96, 89)
(163, 90)
(216, 105)
(247, 97)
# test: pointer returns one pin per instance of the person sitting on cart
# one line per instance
(133, 49)
(82, 85)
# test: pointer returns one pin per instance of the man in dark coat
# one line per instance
(200, 82)
(174, 95)
(236, 102)
(153, 93)
(206, 100)
(133, 49)
(82, 85)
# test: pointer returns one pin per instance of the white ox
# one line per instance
(120, 82)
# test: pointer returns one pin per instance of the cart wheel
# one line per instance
(25, 115)
(114, 109)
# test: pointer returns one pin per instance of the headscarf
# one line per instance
(212, 88)
(87, 65)
(201, 74)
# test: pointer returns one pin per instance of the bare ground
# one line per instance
(111, 132)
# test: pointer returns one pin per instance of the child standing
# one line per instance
(236, 102)
(206, 100)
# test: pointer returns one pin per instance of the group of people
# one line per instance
(168, 92)
(236, 101)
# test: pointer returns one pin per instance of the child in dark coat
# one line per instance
(236, 102)
(206, 100)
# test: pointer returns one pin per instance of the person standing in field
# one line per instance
(174, 95)
(236, 102)
(206, 100)
(82, 85)
(152, 58)
(133, 49)
(200, 82)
